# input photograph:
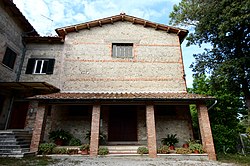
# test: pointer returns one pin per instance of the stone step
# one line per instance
(13, 151)
(14, 142)
(14, 146)
(123, 149)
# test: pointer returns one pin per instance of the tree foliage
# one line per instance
(224, 116)
(225, 24)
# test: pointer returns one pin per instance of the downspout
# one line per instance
(215, 102)
(23, 56)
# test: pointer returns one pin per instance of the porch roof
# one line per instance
(41, 87)
(122, 96)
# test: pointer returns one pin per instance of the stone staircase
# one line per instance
(123, 149)
(15, 143)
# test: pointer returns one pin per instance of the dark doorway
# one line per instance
(122, 123)
(18, 115)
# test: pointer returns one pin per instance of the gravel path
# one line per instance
(131, 161)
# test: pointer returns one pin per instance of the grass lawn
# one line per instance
(27, 161)
(234, 158)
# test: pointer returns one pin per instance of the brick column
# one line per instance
(95, 125)
(151, 134)
(39, 126)
(206, 133)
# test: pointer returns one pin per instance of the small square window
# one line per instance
(122, 50)
(40, 66)
(9, 58)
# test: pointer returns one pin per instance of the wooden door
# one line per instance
(122, 123)
(18, 115)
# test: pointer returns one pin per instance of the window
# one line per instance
(9, 58)
(40, 66)
(122, 50)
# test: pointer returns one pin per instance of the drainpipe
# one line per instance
(215, 102)
(23, 55)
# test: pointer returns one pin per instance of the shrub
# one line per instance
(163, 149)
(72, 151)
(75, 142)
(84, 147)
(183, 151)
(60, 135)
(170, 140)
(103, 151)
(102, 137)
(57, 150)
(46, 148)
(142, 150)
(196, 146)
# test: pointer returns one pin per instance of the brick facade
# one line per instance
(206, 133)
(95, 123)
(151, 134)
(37, 135)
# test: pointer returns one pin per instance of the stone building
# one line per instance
(121, 75)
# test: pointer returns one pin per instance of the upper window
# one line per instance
(122, 50)
(9, 58)
(40, 66)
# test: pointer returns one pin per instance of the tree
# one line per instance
(225, 24)
(224, 116)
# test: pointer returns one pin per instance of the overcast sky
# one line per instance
(47, 15)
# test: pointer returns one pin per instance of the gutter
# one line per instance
(215, 102)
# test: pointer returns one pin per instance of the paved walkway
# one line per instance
(130, 161)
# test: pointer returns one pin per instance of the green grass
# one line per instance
(234, 158)
(27, 161)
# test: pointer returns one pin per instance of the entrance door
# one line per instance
(122, 123)
(18, 115)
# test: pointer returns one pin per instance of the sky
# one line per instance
(47, 15)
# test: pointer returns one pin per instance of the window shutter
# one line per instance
(30, 66)
(50, 66)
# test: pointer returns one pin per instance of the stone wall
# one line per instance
(79, 125)
(85, 63)
(61, 118)
(179, 124)
(10, 36)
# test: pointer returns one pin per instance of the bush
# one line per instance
(103, 151)
(84, 147)
(72, 151)
(75, 142)
(170, 140)
(142, 150)
(183, 151)
(163, 149)
(196, 146)
(60, 135)
(57, 150)
(46, 148)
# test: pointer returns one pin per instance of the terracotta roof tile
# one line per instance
(182, 33)
(121, 96)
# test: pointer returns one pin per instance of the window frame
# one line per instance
(119, 50)
(8, 59)
(46, 66)
(42, 66)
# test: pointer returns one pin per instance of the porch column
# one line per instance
(95, 125)
(39, 126)
(206, 133)
(151, 134)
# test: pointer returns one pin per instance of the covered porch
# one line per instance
(125, 118)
